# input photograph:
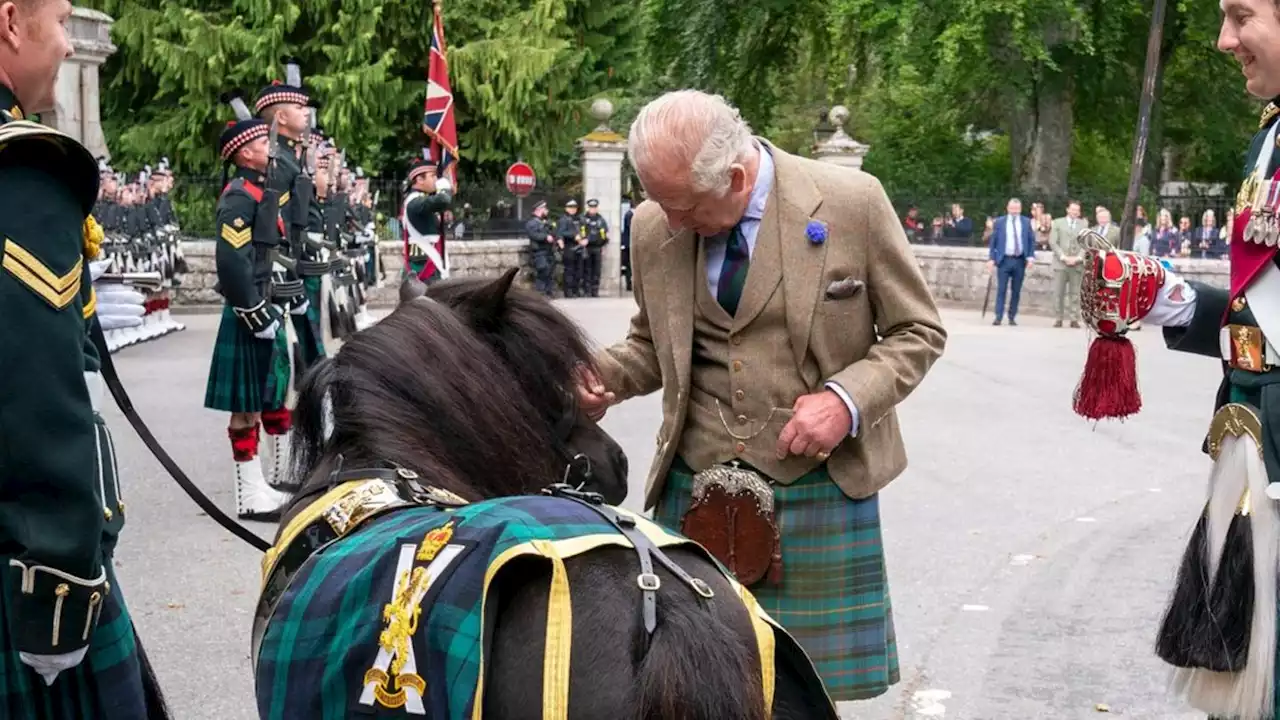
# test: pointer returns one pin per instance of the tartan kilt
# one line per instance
(276, 391)
(310, 338)
(107, 685)
(834, 597)
(240, 367)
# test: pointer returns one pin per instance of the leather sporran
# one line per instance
(732, 516)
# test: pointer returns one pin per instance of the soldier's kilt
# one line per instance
(277, 390)
(240, 369)
(310, 337)
(834, 597)
(107, 685)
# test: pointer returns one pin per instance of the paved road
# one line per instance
(1029, 552)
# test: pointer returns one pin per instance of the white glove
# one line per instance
(97, 268)
(300, 309)
(268, 332)
(118, 306)
(1175, 303)
(443, 185)
(48, 666)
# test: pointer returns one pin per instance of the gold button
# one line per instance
(736, 339)
(742, 419)
(738, 394)
(106, 513)
(1238, 304)
(737, 366)
(739, 448)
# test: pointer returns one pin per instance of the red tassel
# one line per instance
(1109, 386)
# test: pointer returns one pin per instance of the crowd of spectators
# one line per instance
(1163, 238)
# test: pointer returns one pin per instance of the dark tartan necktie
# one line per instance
(733, 273)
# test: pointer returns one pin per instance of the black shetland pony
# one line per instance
(472, 388)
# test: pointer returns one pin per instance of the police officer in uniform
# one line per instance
(241, 378)
(67, 644)
(573, 249)
(542, 249)
(596, 231)
(423, 226)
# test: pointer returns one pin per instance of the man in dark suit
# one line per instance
(1012, 249)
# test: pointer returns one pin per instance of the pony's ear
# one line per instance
(489, 304)
(410, 288)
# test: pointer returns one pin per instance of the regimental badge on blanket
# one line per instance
(394, 680)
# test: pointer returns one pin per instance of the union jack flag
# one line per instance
(437, 120)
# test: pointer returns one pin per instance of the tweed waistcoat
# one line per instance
(744, 380)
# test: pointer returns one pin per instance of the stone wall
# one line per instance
(469, 258)
(957, 275)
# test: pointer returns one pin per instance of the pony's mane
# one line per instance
(421, 390)
(539, 342)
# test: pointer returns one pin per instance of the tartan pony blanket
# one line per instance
(390, 615)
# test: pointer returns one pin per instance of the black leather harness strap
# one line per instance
(646, 551)
(126, 407)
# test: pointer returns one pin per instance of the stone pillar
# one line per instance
(76, 104)
(839, 148)
(602, 153)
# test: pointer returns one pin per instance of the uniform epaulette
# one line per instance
(1268, 113)
(74, 164)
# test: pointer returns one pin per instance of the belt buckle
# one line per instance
(1248, 350)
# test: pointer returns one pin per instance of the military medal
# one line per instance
(1254, 231)
(1268, 213)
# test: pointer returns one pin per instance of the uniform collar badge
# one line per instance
(1269, 112)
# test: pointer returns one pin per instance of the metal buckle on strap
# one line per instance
(648, 581)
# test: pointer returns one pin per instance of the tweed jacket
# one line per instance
(876, 343)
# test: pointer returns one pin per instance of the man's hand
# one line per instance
(991, 266)
(593, 399)
(821, 421)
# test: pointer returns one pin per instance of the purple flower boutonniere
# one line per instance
(816, 231)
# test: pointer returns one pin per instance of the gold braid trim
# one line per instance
(93, 237)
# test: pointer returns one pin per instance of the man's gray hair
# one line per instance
(694, 129)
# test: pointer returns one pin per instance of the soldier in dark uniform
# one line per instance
(542, 249)
(573, 249)
(240, 374)
(288, 104)
(596, 231)
(67, 645)
(424, 245)
(1220, 626)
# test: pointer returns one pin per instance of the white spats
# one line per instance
(275, 458)
(255, 499)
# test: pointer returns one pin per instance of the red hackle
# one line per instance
(1108, 387)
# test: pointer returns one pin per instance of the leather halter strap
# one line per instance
(646, 551)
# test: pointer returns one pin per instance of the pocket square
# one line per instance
(841, 289)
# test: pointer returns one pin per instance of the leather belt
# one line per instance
(1244, 347)
(287, 289)
(313, 268)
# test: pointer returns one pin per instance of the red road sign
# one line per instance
(520, 179)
